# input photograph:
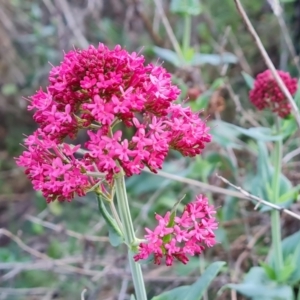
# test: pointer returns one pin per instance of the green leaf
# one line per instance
(6, 255)
(185, 270)
(200, 59)
(220, 161)
(167, 55)
(167, 238)
(136, 184)
(9, 89)
(258, 286)
(114, 232)
(55, 208)
(37, 228)
(174, 210)
(288, 269)
(249, 80)
(55, 249)
(262, 291)
(132, 297)
(175, 294)
(290, 194)
(218, 83)
(224, 135)
(222, 238)
(230, 208)
(203, 168)
(201, 103)
(269, 270)
(198, 288)
(188, 54)
(257, 133)
(289, 126)
(261, 184)
(297, 95)
(190, 7)
(115, 238)
(291, 254)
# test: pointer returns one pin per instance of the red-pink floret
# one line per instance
(186, 235)
(92, 90)
(267, 94)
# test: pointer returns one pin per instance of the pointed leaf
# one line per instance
(175, 294)
(198, 288)
(290, 250)
(168, 55)
(114, 232)
(269, 270)
(249, 80)
(213, 59)
(258, 286)
(297, 95)
(263, 291)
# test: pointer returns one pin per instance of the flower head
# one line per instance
(94, 90)
(267, 94)
(177, 237)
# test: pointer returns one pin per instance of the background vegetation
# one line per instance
(55, 251)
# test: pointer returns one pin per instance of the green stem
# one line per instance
(129, 236)
(275, 214)
(186, 34)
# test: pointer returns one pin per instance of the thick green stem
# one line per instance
(275, 214)
(129, 236)
(186, 34)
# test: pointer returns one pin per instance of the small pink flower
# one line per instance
(189, 234)
(267, 94)
(54, 171)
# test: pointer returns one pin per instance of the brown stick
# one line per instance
(259, 200)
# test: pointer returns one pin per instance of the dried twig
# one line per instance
(72, 24)
(238, 51)
(43, 256)
(169, 29)
(277, 10)
(148, 24)
(202, 185)
(59, 228)
(291, 155)
(22, 245)
(54, 265)
(25, 291)
(268, 61)
(259, 200)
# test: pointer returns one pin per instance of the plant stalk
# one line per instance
(129, 236)
(186, 34)
(275, 214)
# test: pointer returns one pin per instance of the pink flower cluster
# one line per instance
(94, 90)
(267, 94)
(178, 237)
(53, 168)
